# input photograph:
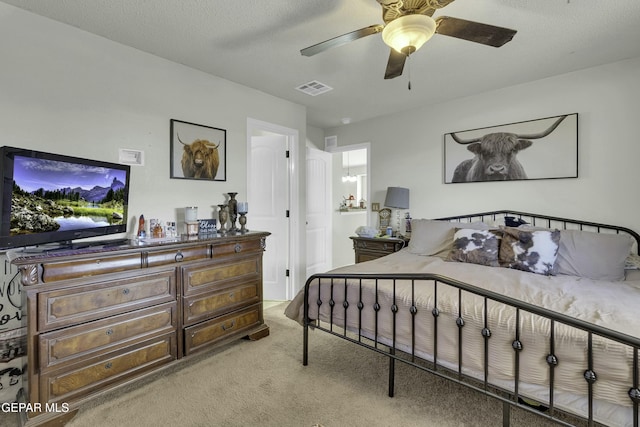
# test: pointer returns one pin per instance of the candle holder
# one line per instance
(191, 220)
(243, 208)
(190, 214)
(223, 216)
(192, 228)
(243, 222)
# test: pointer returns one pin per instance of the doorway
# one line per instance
(272, 197)
(352, 200)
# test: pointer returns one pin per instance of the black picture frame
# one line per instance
(189, 138)
(549, 151)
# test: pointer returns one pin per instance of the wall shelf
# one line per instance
(352, 211)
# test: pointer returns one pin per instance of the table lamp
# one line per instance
(398, 198)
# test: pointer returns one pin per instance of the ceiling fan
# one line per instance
(409, 24)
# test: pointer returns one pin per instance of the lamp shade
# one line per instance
(397, 197)
(408, 33)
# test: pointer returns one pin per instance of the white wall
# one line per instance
(407, 148)
(67, 91)
(315, 138)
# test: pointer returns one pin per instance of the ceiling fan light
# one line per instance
(408, 33)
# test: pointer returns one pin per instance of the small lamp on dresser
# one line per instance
(398, 198)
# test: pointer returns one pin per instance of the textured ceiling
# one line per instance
(257, 43)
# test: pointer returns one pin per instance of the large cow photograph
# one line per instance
(198, 151)
(536, 149)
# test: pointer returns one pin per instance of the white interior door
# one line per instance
(319, 185)
(268, 197)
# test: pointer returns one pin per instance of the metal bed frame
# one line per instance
(510, 398)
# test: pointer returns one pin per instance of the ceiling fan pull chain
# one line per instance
(409, 71)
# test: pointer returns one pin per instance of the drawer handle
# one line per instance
(363, 244)
(179, 257)
(109, 331)
(232, 295)
(238, 247)
(108, 365)
(125, 291)
(226, 328)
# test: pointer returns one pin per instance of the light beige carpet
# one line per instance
(263, 383)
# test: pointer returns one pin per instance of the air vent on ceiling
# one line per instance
(314, 88)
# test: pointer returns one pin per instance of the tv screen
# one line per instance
(50, 198)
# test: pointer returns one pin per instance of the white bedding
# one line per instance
(609, 304)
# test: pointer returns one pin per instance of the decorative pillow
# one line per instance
(533, 251)
(433, 237)
(598, 256)
(632, 262)
(475, 246)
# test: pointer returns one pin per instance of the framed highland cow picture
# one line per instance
(544, 148)
(198, 152)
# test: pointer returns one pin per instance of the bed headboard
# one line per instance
(547, 221)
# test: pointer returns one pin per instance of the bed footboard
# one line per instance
(389, 314)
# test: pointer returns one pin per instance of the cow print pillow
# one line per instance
(475, 246)
(533, 251)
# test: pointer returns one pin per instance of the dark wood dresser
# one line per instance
(105, 316)
(368, 248)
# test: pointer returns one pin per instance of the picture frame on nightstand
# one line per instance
(384, 220)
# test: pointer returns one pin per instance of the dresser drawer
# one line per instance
(202, 278)
(369, 248)
(203, 306)
(237, 247)
(84, 303)
(172, 256)
(65, 270)
(379, 245)
(109, 334)
(365, 256)
(66, 384)
(209, 332)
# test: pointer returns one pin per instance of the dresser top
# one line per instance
(46, 253)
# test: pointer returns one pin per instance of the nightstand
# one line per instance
(368, 248)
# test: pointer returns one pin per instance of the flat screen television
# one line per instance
(52, 198)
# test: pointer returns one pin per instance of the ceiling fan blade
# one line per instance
(473, 31)
(340, 40)
(395, 65)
